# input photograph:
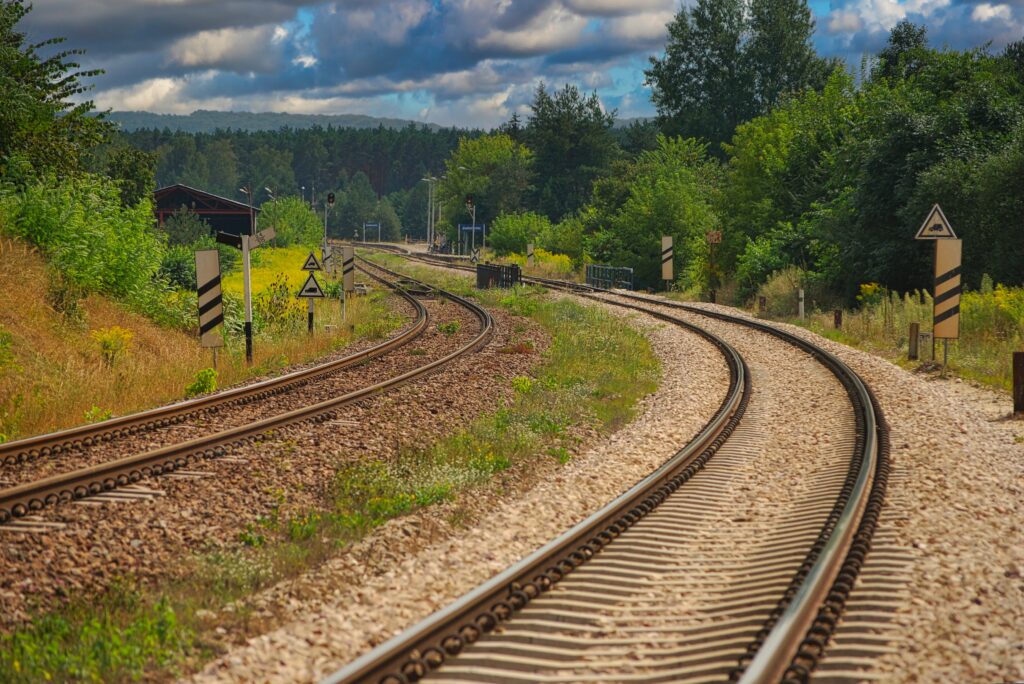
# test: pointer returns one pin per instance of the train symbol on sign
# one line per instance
(935, 227)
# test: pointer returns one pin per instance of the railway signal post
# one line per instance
(948, 287)
(348, 275)
(666, 261)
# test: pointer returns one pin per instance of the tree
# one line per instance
(724, 65)
(779, 55)
(494, 170)
(511, 233)
(906, 42)
(39, 121)
(702, 86)
(573, 145)
(134, 171)
(293, 221)
(357, 206)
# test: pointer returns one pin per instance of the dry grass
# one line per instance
(55, 373)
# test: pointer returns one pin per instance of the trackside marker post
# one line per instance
(948, 288)
(348, 275)
(666, 260)
(1018, 383)
(529, 254)
(311, 289)
(210, 300)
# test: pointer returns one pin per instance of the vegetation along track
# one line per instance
(23, 499)
(672, 596)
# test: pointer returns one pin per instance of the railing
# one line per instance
(494, 275)
(609, 277)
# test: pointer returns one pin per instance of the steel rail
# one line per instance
(55, 443)
(426, 645)
(20, 500)
(819, 590)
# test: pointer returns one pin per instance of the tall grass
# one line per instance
(53, 368)
(991, 329)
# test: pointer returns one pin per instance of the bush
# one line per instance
(510, 233)
(205, 382)
(293, 221)
(113, 343)
(449, 328)
(178, 267)
(780, 291)
(80, 224)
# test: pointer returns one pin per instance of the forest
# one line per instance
(808, 166)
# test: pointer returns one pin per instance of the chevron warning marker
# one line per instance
(948, 288)
(666, 258)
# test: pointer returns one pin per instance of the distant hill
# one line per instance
(205, 121)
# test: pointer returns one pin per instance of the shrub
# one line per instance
(113, 342)
(510, 233)
(178, 267)
(522, 384)
(97, 415)
(205, 382)
(449, 328)
(780, 291)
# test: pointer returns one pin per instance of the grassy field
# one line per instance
(268, 264)
(594, 372)
(96, 359)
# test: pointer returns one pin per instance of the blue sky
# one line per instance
(453, 62)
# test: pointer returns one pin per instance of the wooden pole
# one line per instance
(837, 319)
(912, 350)
(1018, 383)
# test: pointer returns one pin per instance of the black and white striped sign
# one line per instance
(348, 267)
(211, 301)
(474, 255)
(948, 288)
(666, 258)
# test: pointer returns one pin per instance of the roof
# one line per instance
(200, 201)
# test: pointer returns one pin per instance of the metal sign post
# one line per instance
(348, 276)
(948, 288)
(210, 300)
(666, 260)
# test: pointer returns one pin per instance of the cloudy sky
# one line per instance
(453, 62)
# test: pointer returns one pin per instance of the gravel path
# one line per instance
(289, 471)
(417, 564)
(956, 507)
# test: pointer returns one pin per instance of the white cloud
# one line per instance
(987, 12)
(552, 29)
(607, 8)
(646, 27)
(844, 21)
(241, 50)
(305, 61)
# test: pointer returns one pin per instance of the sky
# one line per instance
(466, 63)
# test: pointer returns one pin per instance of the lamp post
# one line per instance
(430, 180)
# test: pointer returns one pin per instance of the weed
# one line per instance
(522, 384)
(204, 383)
(6, 353)
(523, 347)
(417, 352)
(113, 343)
(449, 328)
(251, 536)
(97, 415)
(560, 454)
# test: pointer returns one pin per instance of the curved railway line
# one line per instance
(29, 497)
(597, 603)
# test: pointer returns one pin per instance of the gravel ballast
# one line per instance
(284, 473)
(957, 496)
(388, 582)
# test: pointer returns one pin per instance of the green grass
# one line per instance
(593, 373)
(991, 329)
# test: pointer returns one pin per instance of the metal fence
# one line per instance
(610, 277)
(494, 275)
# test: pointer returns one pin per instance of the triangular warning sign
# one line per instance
(936, 226)
(311, 288)
(311, 263)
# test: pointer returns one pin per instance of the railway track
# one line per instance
(30, 497)
(655, 586)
